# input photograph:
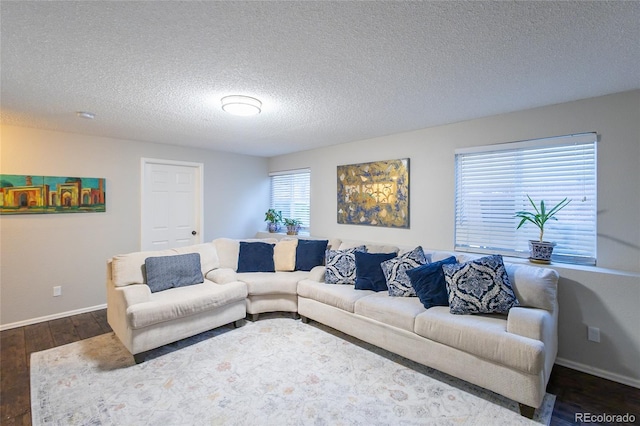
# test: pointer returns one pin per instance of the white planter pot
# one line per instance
(540, 251)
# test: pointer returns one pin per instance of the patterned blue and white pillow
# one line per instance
(480, 286)
(341, 266)
(395, 271)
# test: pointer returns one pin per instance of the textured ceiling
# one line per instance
(326, 72)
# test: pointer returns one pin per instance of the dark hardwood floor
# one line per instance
(576, 392)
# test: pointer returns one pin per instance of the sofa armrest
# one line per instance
(222, 275)
(317, 274)
(134, 294)
(529, 322)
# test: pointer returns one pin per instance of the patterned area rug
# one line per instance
(275, 371)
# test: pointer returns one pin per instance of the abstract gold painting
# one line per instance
(375, 194)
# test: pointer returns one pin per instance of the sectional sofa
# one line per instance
(510, 353)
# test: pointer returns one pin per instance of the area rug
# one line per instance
(275, 371)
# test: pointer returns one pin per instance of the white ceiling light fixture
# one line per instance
(241, 105)
(86, 114)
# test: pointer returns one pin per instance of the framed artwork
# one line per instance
(26, 194)
(374, 194)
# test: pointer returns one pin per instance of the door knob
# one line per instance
(193, 232)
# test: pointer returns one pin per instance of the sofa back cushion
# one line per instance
(128, 268)
(208, 255)
(228, 250)
(371, 247)
(178, 270)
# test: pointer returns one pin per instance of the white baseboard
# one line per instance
(599, 372)
(51, 317)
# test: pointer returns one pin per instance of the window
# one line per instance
(492, 184)
(291, 195)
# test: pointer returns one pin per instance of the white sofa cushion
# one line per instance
(339, 296)
(184, 301)
(228, 250)
(128, 268)
(261, 283)
(399, 312)
(485, 336)
(371, 248)
(208, 255)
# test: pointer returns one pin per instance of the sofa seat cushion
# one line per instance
(184, 301)
(485, 336)
(341, 296)
(395, 311)
(261, 283)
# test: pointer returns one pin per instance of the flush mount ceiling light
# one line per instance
(86, 114)
(241, 105)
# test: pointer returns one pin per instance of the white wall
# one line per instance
(593, 297)
(70, 250)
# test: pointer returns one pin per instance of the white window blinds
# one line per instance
(492, 184)
(291, 195)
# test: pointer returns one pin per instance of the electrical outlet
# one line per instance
(57, 291)
(593, 334)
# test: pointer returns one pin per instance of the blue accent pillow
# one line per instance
(255, 257)
(341, 266)
(429, 283)
(369, 274)
(480, 286)
(395, 271)
(310, 253)
(180, 270)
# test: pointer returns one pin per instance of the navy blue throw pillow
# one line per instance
(369, 274)
(310, 253)
(165, 272)
(255, 257)
(429, 283)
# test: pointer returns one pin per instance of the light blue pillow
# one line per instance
(395, 271)
(165, 272)
(480, 286)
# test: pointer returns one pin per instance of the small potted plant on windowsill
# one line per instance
(293, 226)
(539, 250)
(274, 219)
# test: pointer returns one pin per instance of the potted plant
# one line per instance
(274, 219)
(293, 226)
(540, 251)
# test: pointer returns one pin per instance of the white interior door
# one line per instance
(171, 204)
